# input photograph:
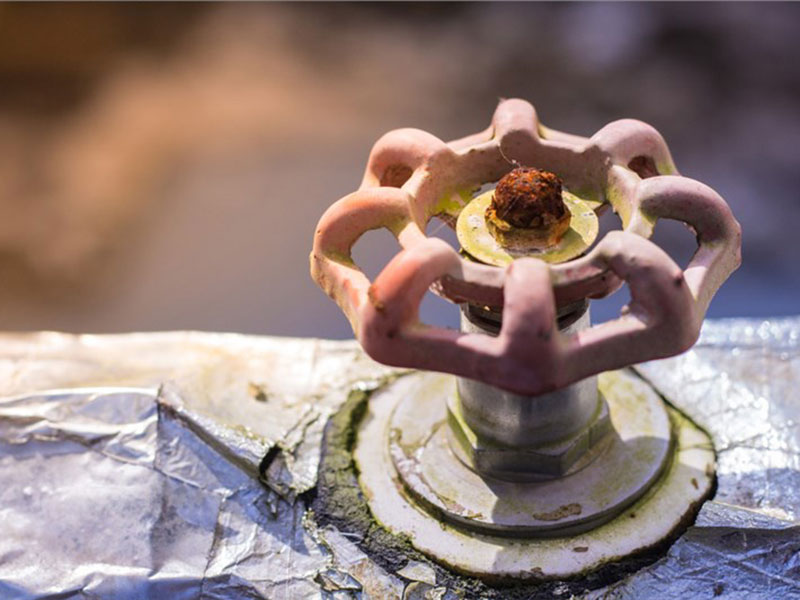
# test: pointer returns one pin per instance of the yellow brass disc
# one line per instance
(480, 244)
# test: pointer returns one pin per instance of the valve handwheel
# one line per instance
(412, 177)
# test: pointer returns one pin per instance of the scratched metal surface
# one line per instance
(156, 489)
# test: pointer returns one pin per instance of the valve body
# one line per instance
(525, 431)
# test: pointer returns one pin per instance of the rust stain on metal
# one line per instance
(643, 166)
(396, 175)
(530, 200)
(257, 391)
(374, 300)
(562, 512)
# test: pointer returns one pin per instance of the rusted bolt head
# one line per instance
(528, 199)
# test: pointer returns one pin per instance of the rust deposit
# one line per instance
(531, 200)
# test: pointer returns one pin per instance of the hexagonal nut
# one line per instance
(527, 463)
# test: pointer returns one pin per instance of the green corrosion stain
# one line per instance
(453, 203)
(338, 499)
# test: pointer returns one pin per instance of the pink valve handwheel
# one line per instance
(412, 176)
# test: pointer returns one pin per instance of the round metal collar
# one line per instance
(476, 239)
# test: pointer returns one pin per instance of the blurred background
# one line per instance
(163, 166)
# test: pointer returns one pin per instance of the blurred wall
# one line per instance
(163, 166)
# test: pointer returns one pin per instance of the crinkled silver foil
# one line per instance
(741, 382)
(152, 490)
(170, 465)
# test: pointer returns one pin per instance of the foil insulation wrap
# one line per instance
(177, 465)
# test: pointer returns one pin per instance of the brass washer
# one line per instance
(477, 241)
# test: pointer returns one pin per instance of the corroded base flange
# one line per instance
(644, 479)
(635, 449)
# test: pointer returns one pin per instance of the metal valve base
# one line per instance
(636, 450)
(497, 484)
(626, 495)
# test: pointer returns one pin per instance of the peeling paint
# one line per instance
(560, 513)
